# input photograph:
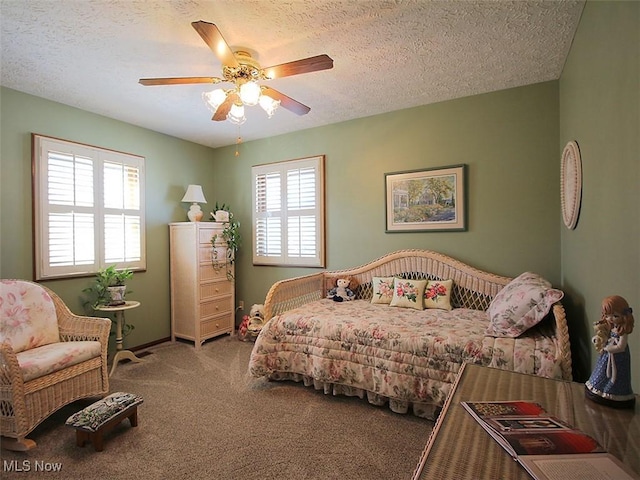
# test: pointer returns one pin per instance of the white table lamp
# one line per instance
(195, 196)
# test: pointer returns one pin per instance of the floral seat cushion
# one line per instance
(27, 316)
(50, 358)
(97, 414)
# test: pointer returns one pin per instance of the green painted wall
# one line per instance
(508, 139)
(171, 164)
(600, 109)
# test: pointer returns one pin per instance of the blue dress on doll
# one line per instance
(611, 377)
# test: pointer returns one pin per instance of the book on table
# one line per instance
(544, 445)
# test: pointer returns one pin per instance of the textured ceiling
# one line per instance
(388, 55)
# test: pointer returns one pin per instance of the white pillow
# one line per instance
(408, 293)
(520, 305)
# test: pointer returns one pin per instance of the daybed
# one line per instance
(397, 352)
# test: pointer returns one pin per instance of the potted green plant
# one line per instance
(231, 237)
(110, 286)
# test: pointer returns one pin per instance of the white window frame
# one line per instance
(94, 209)
(287, 214)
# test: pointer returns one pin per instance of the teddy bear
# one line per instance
(252, 323)
(341, 292)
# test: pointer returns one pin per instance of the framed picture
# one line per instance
(433, 199)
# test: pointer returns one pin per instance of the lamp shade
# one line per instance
(249, 93)
(194, 194)
(236, 114)
(214, 99)
(268, 104)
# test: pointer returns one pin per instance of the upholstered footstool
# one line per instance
(100, 417)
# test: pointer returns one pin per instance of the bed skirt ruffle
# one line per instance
(422, 410)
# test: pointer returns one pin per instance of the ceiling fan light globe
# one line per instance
(269, 105)
(236, 114)
(250, 93)
(215, 98)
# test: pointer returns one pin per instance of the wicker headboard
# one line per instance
(472, 288)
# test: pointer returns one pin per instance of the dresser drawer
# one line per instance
(215, 326)
(205, 234)
(218, 306)
(209, 273)
(215, 289)
(207, 254)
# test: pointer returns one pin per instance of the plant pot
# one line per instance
(117, 295)
(222, 216)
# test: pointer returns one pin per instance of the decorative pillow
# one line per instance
(408, 293)
(438, 294)
(382, 289)
(520, 305)
(28, 316)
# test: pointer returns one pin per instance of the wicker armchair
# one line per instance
(49, 357)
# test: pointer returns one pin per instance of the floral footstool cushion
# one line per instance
(96, 419)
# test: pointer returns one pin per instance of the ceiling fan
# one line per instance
(244, 72)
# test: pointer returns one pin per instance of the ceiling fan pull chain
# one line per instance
(238, 142)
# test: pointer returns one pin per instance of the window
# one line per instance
(88, 209)
(288, 215)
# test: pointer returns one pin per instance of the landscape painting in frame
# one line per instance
(426, 200)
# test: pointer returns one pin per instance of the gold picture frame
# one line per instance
(428, 200)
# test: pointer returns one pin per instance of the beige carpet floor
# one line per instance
(204, 417)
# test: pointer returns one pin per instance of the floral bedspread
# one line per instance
(408, 358)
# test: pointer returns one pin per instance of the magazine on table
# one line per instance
(544, 445)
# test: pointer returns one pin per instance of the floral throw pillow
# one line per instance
(382, 290)
(408, 293)
(520, 305)
(438, 294)
(28, 316)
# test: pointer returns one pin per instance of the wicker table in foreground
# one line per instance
(459, 448)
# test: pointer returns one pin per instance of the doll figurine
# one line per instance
(610, 382)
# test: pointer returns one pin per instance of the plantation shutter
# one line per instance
(288, 218)
(88, 209)
(70, 213)
(122, 228)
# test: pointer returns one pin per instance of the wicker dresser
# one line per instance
(202, 286)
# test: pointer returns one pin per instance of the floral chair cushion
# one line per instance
(382, 290)
(47, 359)
(27, 316)
(520, 305)
(408, 293)
(438, 294)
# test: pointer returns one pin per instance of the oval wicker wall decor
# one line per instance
(571, 184)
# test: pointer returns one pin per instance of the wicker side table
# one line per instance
(459, 447)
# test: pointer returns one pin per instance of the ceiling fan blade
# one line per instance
(305, 65)
(148, 82)
(224, 108)
(286, 102)
(212, 37)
